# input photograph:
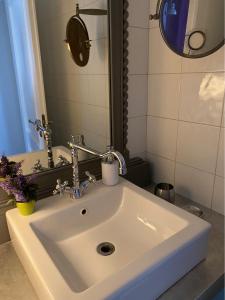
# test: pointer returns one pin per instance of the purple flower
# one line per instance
(21, 187)
(9, 168)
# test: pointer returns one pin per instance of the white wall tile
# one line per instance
(98, 56)
(202, 97)
(138, 50)
(95, 141)
(96, 26)
(138, 13)
(161, 137)
(197, 145)
(220, 160)
(162, 170)
(161, 58)
(137, 135)
(164, 95)
(198, 103)
(218, 195)
(194, 184)
(95, 119)
(98, 90)
(137, 95)
(210, 63)
(73, 87)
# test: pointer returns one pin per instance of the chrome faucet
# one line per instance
(77, 190)
(62, 161)
(38, 167)
(44, 130)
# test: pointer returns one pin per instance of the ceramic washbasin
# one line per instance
(155, 244)
(30, 158)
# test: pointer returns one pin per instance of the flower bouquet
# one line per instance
(22, 189)
(7, 169)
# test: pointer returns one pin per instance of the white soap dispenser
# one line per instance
(110, 169)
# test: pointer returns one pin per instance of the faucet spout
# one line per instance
(121, 160)
(44, 130)
(78, 188)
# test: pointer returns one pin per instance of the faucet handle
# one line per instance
(60, 187)
(91, 177)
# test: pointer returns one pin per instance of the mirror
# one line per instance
(192, 28)
(75, 99)
(78, 41)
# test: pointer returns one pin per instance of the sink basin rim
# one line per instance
(117, 281)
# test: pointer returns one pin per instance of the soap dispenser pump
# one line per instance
(110, 169)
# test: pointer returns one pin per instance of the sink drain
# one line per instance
(105, 249)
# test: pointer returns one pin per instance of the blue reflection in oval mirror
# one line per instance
(192, 28)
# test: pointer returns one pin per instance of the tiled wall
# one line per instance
(185, 121)
(79, 93)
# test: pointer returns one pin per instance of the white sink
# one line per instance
(30, 158)
(155, 244)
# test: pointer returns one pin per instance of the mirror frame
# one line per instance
(118, 70)
(174, 50)
(118, 66)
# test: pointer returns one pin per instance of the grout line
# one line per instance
(223, 105)
(178, 125)
(160, 156)
(138, 27)
(78, 102)
(192, 72)
(183, 164)
(146, 133)
(136, 117)
(59, 75)
(190, 166)
(77, 74)
(180, 120)
(136, 74)
(217, 157)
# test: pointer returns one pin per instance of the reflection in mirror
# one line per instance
(74, 99)
(78, 40)
(192, 28)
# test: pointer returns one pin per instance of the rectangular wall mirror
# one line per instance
(77, 97)
(55, 93)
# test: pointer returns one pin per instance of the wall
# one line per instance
(77, 97)
(11, 131)
(185, 121)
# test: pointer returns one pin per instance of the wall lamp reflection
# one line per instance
(171, 9)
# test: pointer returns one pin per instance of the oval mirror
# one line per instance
(192, 28)
(78, 41)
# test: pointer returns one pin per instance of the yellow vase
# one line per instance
(26, 208)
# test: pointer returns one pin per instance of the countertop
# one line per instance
(15, 285)
(198, 281)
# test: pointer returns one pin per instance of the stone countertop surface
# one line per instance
(15, 285)
(199, 280)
